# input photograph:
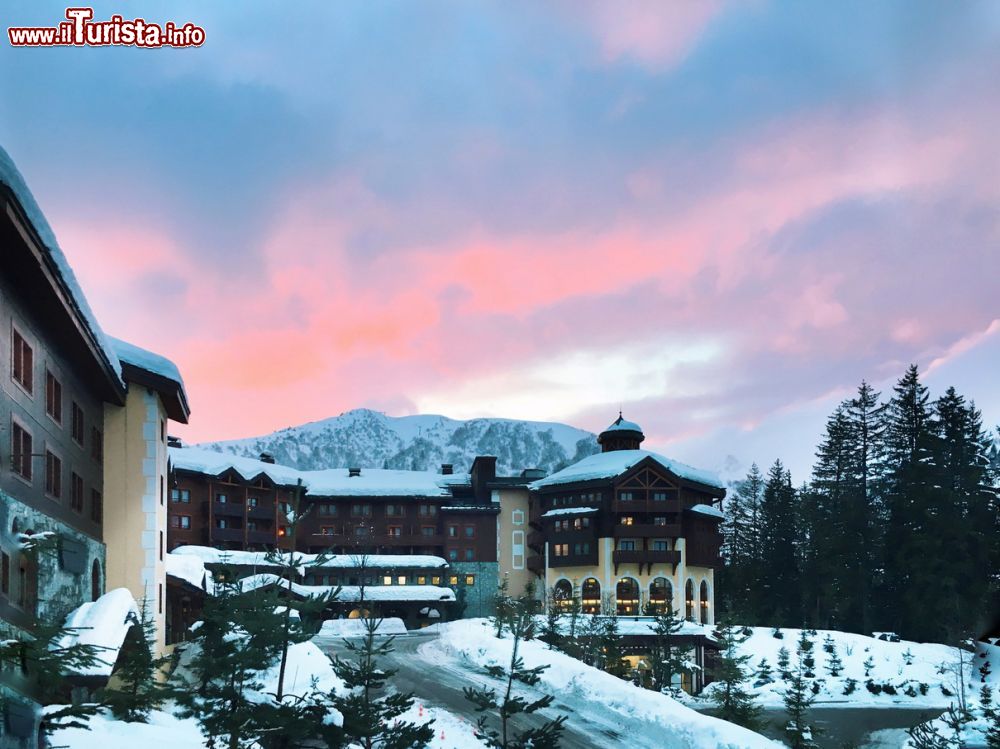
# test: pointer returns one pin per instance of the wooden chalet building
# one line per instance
(629, 529)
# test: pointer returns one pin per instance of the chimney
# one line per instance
(174, 441)
(353, 472)
(447, 469)
(266, 458)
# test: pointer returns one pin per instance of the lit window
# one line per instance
(453, 580)
(401, 580)
(470, 579)
(421, 580)
(387, 580)
(435, 580)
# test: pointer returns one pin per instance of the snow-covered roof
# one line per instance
(129, 353)
(103, 623)
(621, 425)
(352, 593)
(610, 464)
(191, 569)
(11, 177)
(332, 482)
(345, 628)
(188, 562)
(569, 511)
(714, 512)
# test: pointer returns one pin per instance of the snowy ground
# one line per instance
(927, 681)
(643, 718)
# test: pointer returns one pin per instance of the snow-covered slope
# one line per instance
(899, 673)
(370, 439)
(646, 718)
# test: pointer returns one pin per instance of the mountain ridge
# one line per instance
(371, 439)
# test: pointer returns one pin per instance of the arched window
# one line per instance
(95, 581)
(627, 596)
(689, 600)
(590, 596)
(661, 595)
(562, 594)
(704, 602)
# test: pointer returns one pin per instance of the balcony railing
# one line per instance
(660, 506)
(230, 509)
(227, 534)
(647, 530)
(640, 556)
(261, 537)
(261, 511)
(536, 539)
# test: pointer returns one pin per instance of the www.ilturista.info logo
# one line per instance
(80, 30)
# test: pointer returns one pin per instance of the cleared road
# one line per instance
(441, 684)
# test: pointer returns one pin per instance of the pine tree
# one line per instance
(667, 659)
(763, 673)
(47, 656)
(509, 705)
(909, 586)
(138, 686)
(371, 715)
(739, 578)
(834, 665)
(552, 630)
(869, 664)
(781, 587)
(798, 698)
(503, 606)
(732, 700)
(612, 645)
(234, 643)
(784, 663)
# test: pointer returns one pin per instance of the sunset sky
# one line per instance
(718, 216)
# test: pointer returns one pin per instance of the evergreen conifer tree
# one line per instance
(781, 587)
(612, 645)
(508, 705)
(667, 658)
(138, 686)
(784, 663)
(732, 700)
(798, 698)
(371, 714)
(763, 673)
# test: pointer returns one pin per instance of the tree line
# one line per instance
(897, 529)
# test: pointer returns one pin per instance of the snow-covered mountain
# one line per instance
(370, 439)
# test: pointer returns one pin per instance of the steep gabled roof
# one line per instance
(615, 463)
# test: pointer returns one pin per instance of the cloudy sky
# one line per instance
(718, 216)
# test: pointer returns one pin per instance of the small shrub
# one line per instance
(777, 634)
(872, 687)
(850, 686)
(946, 692)
(746, 631)
(910, 691)
(888, 688)
(908, 657)
(815, 687)
(923, 688)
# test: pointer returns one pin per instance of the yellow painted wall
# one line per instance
(135, 497)
(512, 526)
(604, 572)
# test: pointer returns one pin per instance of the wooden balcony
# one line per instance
(640, 556)
(663, 506)
(647, 530)
(536, 540)
(227, 534)
(228, 509)
(266, 512)
(262, 537)
(409, 539)
(536, 564)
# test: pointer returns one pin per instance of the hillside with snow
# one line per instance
(370, 439)
(853, 670)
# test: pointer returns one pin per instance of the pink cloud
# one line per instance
(656, 34)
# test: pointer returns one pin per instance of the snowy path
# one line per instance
(438, 680)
